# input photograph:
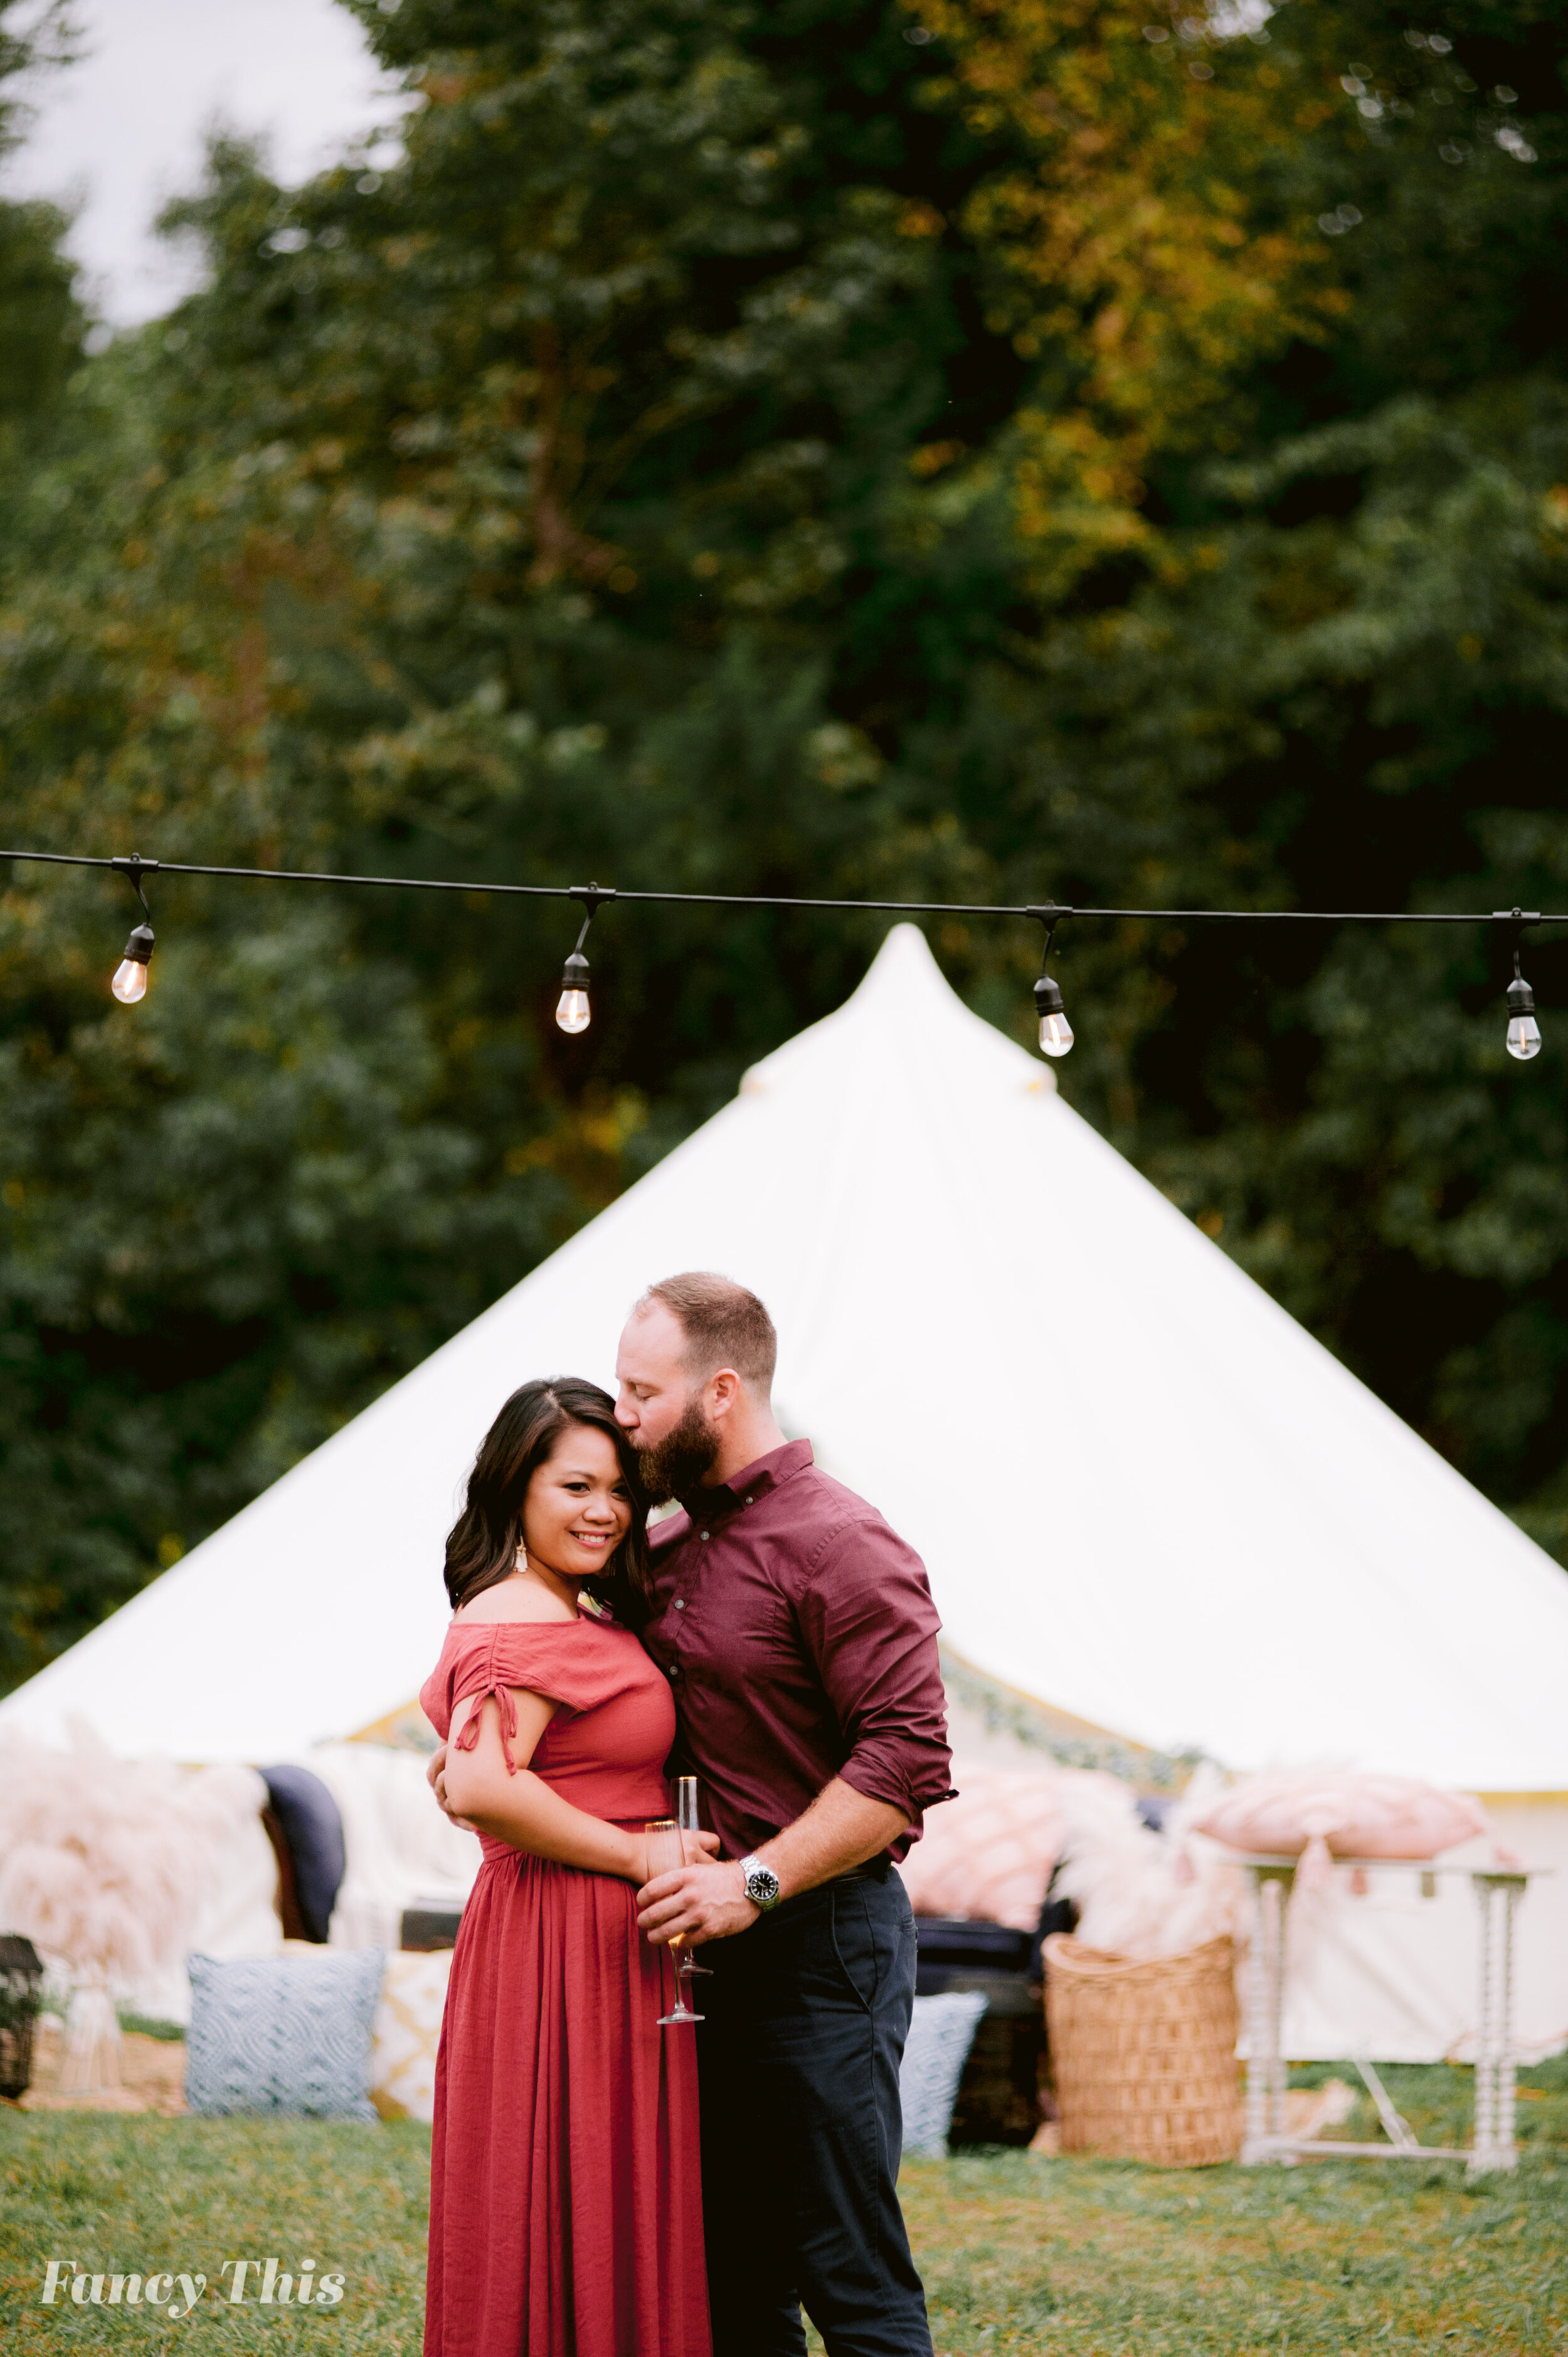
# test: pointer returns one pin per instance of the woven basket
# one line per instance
(1144, 2054)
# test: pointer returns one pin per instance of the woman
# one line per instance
(566, 2203)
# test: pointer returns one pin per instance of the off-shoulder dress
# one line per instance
(566, 2200)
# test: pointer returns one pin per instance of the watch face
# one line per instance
(762, 1887)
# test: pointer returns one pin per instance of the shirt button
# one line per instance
(680, 1604)
(702, 1534)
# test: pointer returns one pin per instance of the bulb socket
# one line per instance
(1522, 998)
(139, 948)
(1048, 997)
(575, 973)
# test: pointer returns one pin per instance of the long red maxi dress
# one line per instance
(565, 2194)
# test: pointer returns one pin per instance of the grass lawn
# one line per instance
(1092, 2258)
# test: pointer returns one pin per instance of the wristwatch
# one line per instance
(761, 1883)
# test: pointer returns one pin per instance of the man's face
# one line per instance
(653, 1383)
(660, 1407)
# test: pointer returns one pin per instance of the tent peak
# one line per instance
(903, 996)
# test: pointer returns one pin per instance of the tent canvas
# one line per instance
(1143, 1493)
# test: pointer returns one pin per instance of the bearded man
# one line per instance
(800, 1639)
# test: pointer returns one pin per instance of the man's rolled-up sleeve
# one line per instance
(867, 1616)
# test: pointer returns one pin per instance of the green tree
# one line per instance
(763, 449)
(43, 322)
(451, 533)
(1340, 683)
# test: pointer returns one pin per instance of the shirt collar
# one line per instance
(753, 1481)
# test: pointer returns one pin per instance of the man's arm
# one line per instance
(868, 1623)
(842, 1828)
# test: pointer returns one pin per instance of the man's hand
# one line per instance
(700, 1904)
(435, 1777)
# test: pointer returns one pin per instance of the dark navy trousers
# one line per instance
(806, 2017)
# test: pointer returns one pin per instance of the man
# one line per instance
(800, 1639)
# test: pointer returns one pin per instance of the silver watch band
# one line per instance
(761, 1883)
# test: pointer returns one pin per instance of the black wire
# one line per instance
(1047, 913)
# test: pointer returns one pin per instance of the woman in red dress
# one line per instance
(566, 2200)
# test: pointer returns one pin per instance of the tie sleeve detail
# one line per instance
(469, 1739)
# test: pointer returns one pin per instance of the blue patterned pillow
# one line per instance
(284, 2033)
(941, 2032)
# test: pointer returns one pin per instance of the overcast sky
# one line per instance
(122, 131)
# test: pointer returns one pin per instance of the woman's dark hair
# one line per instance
(483, 1545)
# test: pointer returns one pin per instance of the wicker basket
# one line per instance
(1144, 2054)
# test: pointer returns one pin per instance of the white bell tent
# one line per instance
(1146, 1496)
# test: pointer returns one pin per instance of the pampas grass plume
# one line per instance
(103, 1862)
(1138, 1893)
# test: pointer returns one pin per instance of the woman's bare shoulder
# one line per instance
(509, 1603)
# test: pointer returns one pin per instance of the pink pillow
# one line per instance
(990, 1853)
(1321, 1813)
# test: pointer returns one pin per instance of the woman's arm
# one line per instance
(521, 1809)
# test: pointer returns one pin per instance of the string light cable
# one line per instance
(573, 1013)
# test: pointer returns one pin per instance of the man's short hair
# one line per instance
(723, 1325)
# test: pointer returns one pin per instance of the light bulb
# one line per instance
(130, 983)
(572, 1009)
(1056, 1031)
(1524, 1031)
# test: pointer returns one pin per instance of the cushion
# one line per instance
(314, 1832)
(989, 1855)
(941, 2032)
(283, 2033)
(1321, 1813)
(407, 2035)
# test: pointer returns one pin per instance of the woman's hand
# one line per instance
(701, 1849)
(435, 1776)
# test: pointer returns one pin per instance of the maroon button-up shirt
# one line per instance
(800, 1639)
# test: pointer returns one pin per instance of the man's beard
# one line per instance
(681, 1458)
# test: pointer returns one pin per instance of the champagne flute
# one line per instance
(667, 1854)
(687, 1818)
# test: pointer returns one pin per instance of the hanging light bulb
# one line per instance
(1524, 1031)
(573, 1012)
(1056, 1031)
(572, 1009)
(130, 983)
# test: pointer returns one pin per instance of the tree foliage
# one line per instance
(1011, 451)
(43, 324)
